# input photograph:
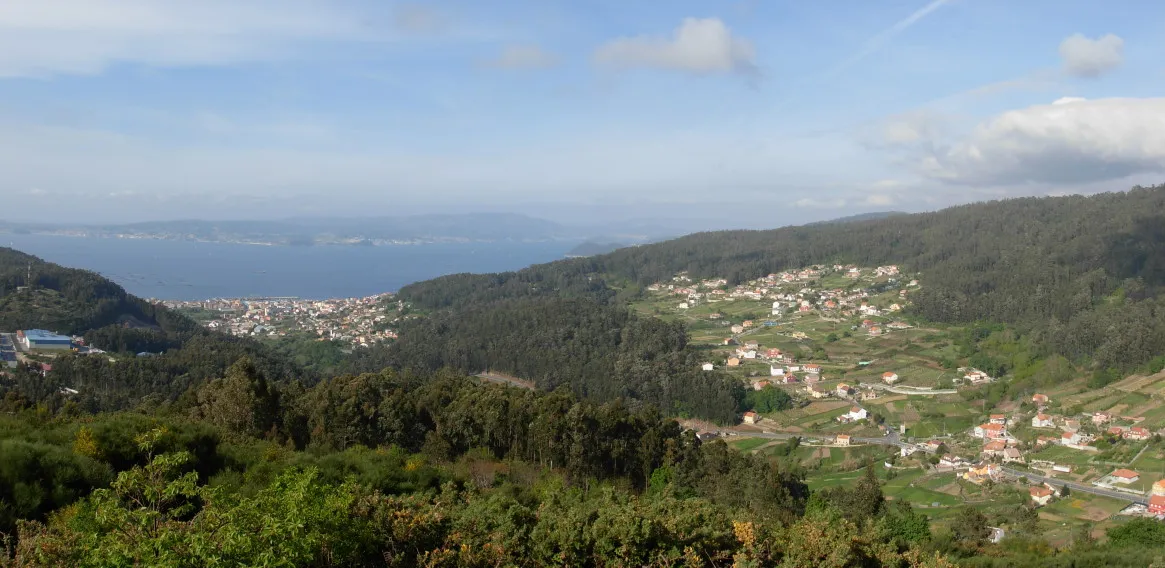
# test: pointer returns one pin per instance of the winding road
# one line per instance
(893, 440)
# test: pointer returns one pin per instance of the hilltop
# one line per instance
(35, 294)
(1079, 276)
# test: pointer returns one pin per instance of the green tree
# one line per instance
(970, 525)
(904, 524)
(1146, 533)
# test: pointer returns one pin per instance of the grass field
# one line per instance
(749, 444)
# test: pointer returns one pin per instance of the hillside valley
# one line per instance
(913, 385)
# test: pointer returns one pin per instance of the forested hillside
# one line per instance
(79, 302)
(599, 351)
(1083, 276)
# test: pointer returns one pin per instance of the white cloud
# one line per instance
(417, 18)
(523, 57)
(879, 199)
(917, 126)
(50, 37)
(1072, 141)
(811, 203)
(697, 46)
(1084, 57)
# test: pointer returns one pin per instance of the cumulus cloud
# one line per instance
(1070, 141)
(1084, 57)
(523, 57)
(698, 45)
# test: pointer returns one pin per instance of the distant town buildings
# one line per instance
(357, 321)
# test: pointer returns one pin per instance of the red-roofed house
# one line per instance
(1042, 421)
(1157, 504)
(842, 440)
(1138, 433)
(889, 378)
(1041, 495)
(998, 419)
(1040, 398)
(1125, 476)
(992, 431)
(751, 417)
(994, 448)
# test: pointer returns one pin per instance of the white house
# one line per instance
(1125, 476)
(1042, 421)
(857, 413)
(991, 431)
(889, 378)
(776, 371)
(707, 366)
(1041, 495)
(751, 417)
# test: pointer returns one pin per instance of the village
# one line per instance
(355, 321)
(868, 382)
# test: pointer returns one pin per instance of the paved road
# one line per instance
(893, 440)
(909, 390)
(1073, 486)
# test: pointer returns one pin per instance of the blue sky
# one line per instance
(753, 112)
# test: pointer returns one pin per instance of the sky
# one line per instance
(748, 112)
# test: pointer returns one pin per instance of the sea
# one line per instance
(188, 270)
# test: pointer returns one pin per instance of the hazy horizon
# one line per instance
(733, 114)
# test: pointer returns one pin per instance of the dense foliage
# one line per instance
(1083, 275)
(235, 456)
(599, 351)
(156, 354)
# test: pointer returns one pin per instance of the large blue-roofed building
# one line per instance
(44, 340)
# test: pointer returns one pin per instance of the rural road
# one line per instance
(892, 440)
(1073, 486)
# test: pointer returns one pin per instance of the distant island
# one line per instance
(370, 231)
(593, 238)
(591, 248)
